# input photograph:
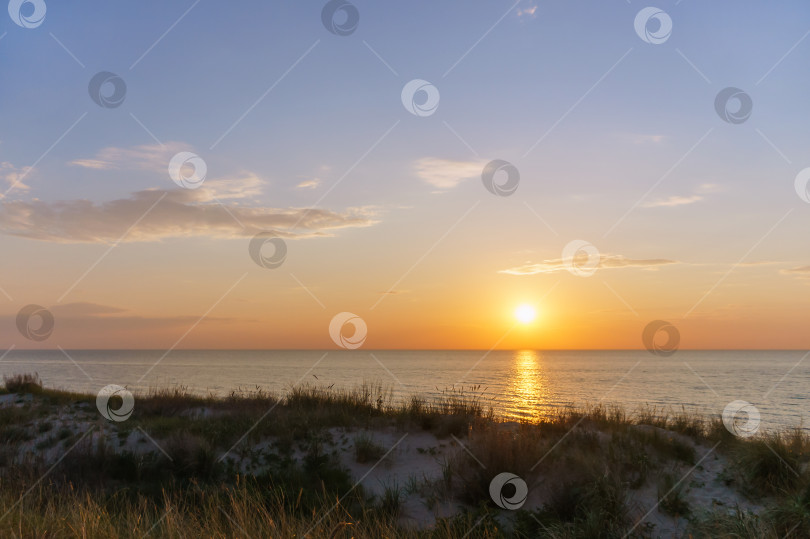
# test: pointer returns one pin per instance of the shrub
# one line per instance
(23, 383)
(191, 456)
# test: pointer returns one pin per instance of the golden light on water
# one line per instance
(525, 313)
(529, 384)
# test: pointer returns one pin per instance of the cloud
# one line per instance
(13, 176)
(154, 157)
(802, 269)
(212, 210)
(94, 312)
(708, 188)
(84, 308)
(97, 164)
(802, 272)
(393, 292)
(527, 11)
(445, 173)
(310, 183)
(673, 201)
(113, 327)
(758, 263)
(247, 185)
(678, 200)
(606, 261)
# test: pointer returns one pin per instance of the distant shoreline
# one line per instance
(343, 351)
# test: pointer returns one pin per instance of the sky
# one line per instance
(684, 205)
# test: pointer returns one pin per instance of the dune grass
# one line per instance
(23, 383)
(588, 459)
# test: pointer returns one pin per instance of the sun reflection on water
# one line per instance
(529, 395)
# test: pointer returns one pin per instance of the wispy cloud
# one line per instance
(674, 200)
(84, 308)
(606, 261)
(393, 292)
(115, 327)
(213, 210)
(803, 272)
(683, 200)
(246, 186)
(310, 183)
(757, 263)
(446, 173)
(708, 188)
(528, 11)
(12, 175)
(147, 157)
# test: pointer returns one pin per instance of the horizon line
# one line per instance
(15, 349)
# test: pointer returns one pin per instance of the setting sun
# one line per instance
(525, 313)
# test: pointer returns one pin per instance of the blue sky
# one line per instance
(615, 115)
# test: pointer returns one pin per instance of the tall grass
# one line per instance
(23, 383)
(588, 460)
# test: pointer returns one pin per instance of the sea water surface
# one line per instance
(523, 384)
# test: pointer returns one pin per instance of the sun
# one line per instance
(525, 313)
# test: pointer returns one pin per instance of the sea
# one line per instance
(519, 384)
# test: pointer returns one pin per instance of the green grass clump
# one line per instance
(791, 517)
(592, 505)
(737, 524)
(366, 449)
(23, 383)
(671, 496)
(772, 464)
